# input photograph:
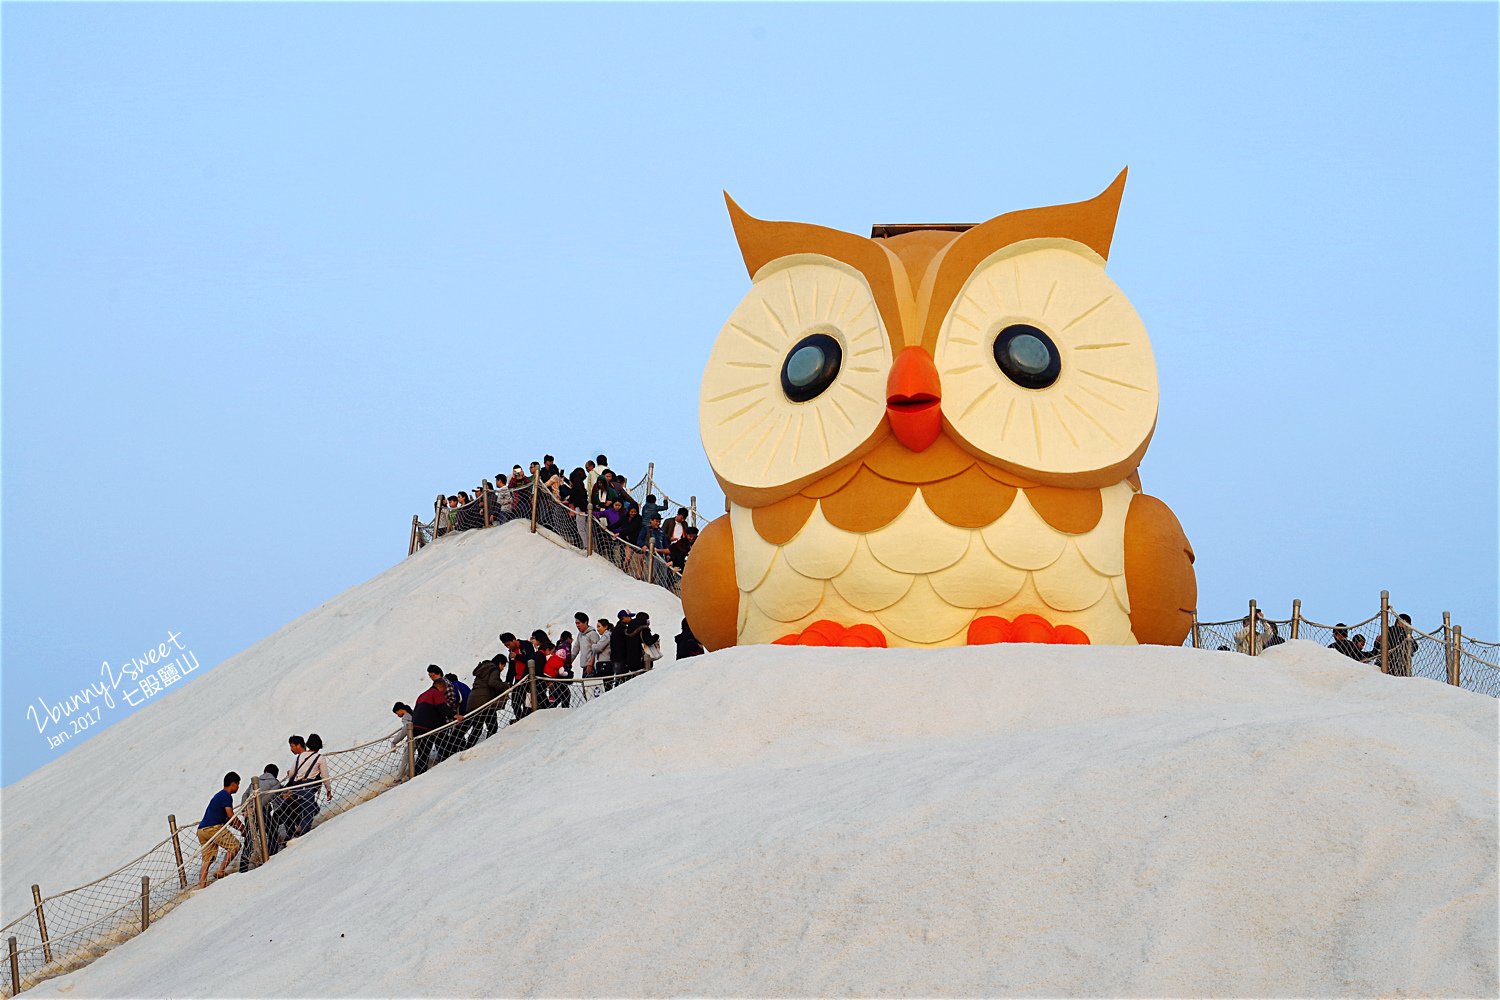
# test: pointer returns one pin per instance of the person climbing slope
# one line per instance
(301, 797)
(211, 833)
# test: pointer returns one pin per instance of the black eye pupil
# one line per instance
(1027, 356)
(810, 367)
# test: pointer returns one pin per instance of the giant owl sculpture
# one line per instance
(931, 438)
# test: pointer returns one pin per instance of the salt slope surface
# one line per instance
(334, 671)
(1002, 820)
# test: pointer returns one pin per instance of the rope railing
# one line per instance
(1383, 640)
(577, 529)
(66, 931)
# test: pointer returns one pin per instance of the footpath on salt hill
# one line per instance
(986, 821)
(335, 671)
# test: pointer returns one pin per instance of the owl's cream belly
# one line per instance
(921, 581)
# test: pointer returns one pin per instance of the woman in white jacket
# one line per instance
(308, 770)
(593, 646)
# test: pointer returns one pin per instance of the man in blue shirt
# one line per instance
(653, 532)
(211, 832)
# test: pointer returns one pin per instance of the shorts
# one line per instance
(214, 837)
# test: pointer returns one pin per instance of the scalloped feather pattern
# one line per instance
(921, 580)
(785, 594)
(820, 550)
(752, 553)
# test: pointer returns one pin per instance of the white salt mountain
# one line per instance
(792, 821)
(772, 821)
(335, 671)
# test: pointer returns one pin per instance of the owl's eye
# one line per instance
(811, 367)
(1045, 365)
(796, 379)
(1027, 356)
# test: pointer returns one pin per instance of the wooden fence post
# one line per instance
(588, 525)
(41, 923)
(650, 576)
(438, 508)
(486, 489)
(531, 672)
(1385, 631)
(693, 509)
(1250, 638)
(534, 487)
(262, 846)
(1296, 617)
(1455, 666)
(177, 849)
(1448, 643)
(412, 545)
(1197, 642)
(411, 752)
(15, 970)
(145, 901)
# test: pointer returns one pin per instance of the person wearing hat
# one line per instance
(1341, 643)
(518, 485)
(653, 534)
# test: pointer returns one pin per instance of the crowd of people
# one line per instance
(1402, 645)
(591, 487)
(538, 672)
(287, 810)
(610, 651)
(1399, 638)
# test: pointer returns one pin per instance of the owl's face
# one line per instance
(1008, 338)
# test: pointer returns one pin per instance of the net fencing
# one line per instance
(586, 530)
(1384, 640)
(432, 747)
(1479, 663)
(64, 932)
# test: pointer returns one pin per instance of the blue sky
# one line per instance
(274, 275)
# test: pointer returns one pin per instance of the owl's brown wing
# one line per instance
(1158, 573)
(710, 596)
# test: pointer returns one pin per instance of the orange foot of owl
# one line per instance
(827, 633)
(1026, 628)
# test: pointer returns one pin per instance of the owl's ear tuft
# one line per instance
(1087, 223)
(745, 226)
(1102, 213)
(1091, 223)
(762, 241)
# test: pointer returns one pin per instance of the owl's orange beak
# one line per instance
(912, 398)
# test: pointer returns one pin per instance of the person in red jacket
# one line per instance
(556, 665)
